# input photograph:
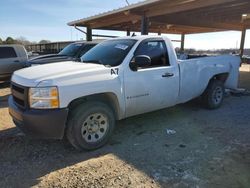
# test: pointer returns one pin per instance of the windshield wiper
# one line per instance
(108, 66)
(93, 61)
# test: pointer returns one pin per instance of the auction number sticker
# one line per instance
(121, 46)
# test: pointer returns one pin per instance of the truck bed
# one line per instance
(202, 69)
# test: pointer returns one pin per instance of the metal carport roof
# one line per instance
(174, 16)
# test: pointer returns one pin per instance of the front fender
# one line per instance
(69, 93)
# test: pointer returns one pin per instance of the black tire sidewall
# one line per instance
(208, 95)
(79, 116)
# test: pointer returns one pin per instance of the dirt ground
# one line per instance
(206, 149)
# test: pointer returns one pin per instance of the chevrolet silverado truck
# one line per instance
(116, 79)
(71, 52)
(12, 57)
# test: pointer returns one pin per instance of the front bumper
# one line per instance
(47, 124)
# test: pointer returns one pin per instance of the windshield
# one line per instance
(71, 50)
(109, 53)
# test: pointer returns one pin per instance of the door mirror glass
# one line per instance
(140, 61)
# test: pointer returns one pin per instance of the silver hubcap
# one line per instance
(94, 127)
(217, 95)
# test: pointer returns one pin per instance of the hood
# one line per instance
(52, 58)
(58, 72)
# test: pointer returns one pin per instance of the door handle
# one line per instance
(167, 74)
(16, 61)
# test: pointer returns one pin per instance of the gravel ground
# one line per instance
(206, 149)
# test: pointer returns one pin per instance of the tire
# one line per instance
(90, 125)
(213, 96)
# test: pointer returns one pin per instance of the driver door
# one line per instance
(152, 87)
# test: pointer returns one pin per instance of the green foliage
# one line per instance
(22, 40)
(44, 42)
(10, 40)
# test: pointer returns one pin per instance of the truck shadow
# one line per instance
(4, 94)
(244, 80)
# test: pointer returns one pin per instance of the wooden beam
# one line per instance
(219, 14)
(242, 42)
(89, 34)
(114, 20)
(128, 32)
(196, 22)
(246, 24)
(155, 27)
(231, 8)
(184, 5)
(144, 25)
(182, 41)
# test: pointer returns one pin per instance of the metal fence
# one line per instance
(48, 48)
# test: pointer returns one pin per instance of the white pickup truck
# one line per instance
(116, 79)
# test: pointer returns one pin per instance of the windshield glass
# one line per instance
(71, 50)
(110, 53)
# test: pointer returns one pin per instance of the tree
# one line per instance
(1, 41)
(10, 40)
(44, 41)
(22, 40)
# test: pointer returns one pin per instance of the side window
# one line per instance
(7, 52)
(156, 50)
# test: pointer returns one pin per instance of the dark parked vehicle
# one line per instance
(72, 52)
(12, 58)
(246, 59)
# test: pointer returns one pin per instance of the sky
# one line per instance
(47, 19)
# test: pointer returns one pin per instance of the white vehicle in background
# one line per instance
(116, 79)
(12, 58)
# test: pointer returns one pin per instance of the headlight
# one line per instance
(44, 98)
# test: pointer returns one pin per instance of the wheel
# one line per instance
(213, 96)
(90, 125)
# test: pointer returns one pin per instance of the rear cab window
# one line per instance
(7, 52)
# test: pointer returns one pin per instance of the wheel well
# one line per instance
(108, 98)
(222, 77)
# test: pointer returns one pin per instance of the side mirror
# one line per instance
(140, 61)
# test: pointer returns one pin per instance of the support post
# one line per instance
(128, 32)
(144, 25)
(242, 41)
(159, 33)
(89, 34)
(182, 42)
